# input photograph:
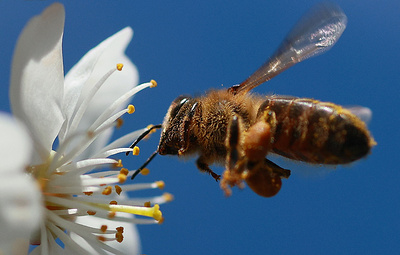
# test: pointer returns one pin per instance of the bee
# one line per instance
(238, 129)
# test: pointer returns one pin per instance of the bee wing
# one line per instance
(363, 113)
(316, 32)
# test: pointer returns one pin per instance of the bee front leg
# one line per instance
(184, 129)
(203, 166)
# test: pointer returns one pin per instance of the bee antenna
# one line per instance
(144, 164)
(146, 132)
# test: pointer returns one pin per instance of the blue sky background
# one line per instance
(190, 47)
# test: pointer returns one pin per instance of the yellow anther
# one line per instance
(160, 184)
(111, 215)
(145, 171)
(119, 66)
(107, 191)
(118, 164)
(153, 84)
(135, 151)
(168, 197)
(118, 189)
(103, 228)
(147, 204)
(131, 109)
(124, 171)
(122, 178)
(119, 123)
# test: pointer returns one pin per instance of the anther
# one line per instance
(168, 197)
(113, 202)
(103, 228)
(118, 189)
(135, 151)
(107, 191)
(160, 184)
(131, 109)
(153, 84)
(118, 164)
(101, 238)
(145, 171)
(147, 204)
(120, 66)
(91, 212)
(119, 122)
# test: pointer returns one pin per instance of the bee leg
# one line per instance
(234, 162)
(203, 166)
(184, 129)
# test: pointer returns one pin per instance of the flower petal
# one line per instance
(15, 146)
(20, 212)
(88, 71)
(36, 89)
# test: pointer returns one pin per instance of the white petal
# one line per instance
(88, 71)
(36, 89)
(20, 212)
(15, 145)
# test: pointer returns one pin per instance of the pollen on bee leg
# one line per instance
(131, 109)
(153, 84)
(135, 151)
(120, 66)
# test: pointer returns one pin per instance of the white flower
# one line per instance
(55, 188)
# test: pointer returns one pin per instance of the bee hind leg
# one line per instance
(234, 162)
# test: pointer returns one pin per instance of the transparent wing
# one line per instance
(316, 32)
(363, 113)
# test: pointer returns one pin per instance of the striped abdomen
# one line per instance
(317, 132)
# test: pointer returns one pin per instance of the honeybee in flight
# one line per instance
(238, 129)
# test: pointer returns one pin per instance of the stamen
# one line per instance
(118, 189)
(120, 66)
(107, 191)
(153, 84)
(103, 228)
(131, 109)
(119, 164)
(119, 123)
(145, 171)
(135, 151)
(168, 197)
(147, 204)
(160, 184)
